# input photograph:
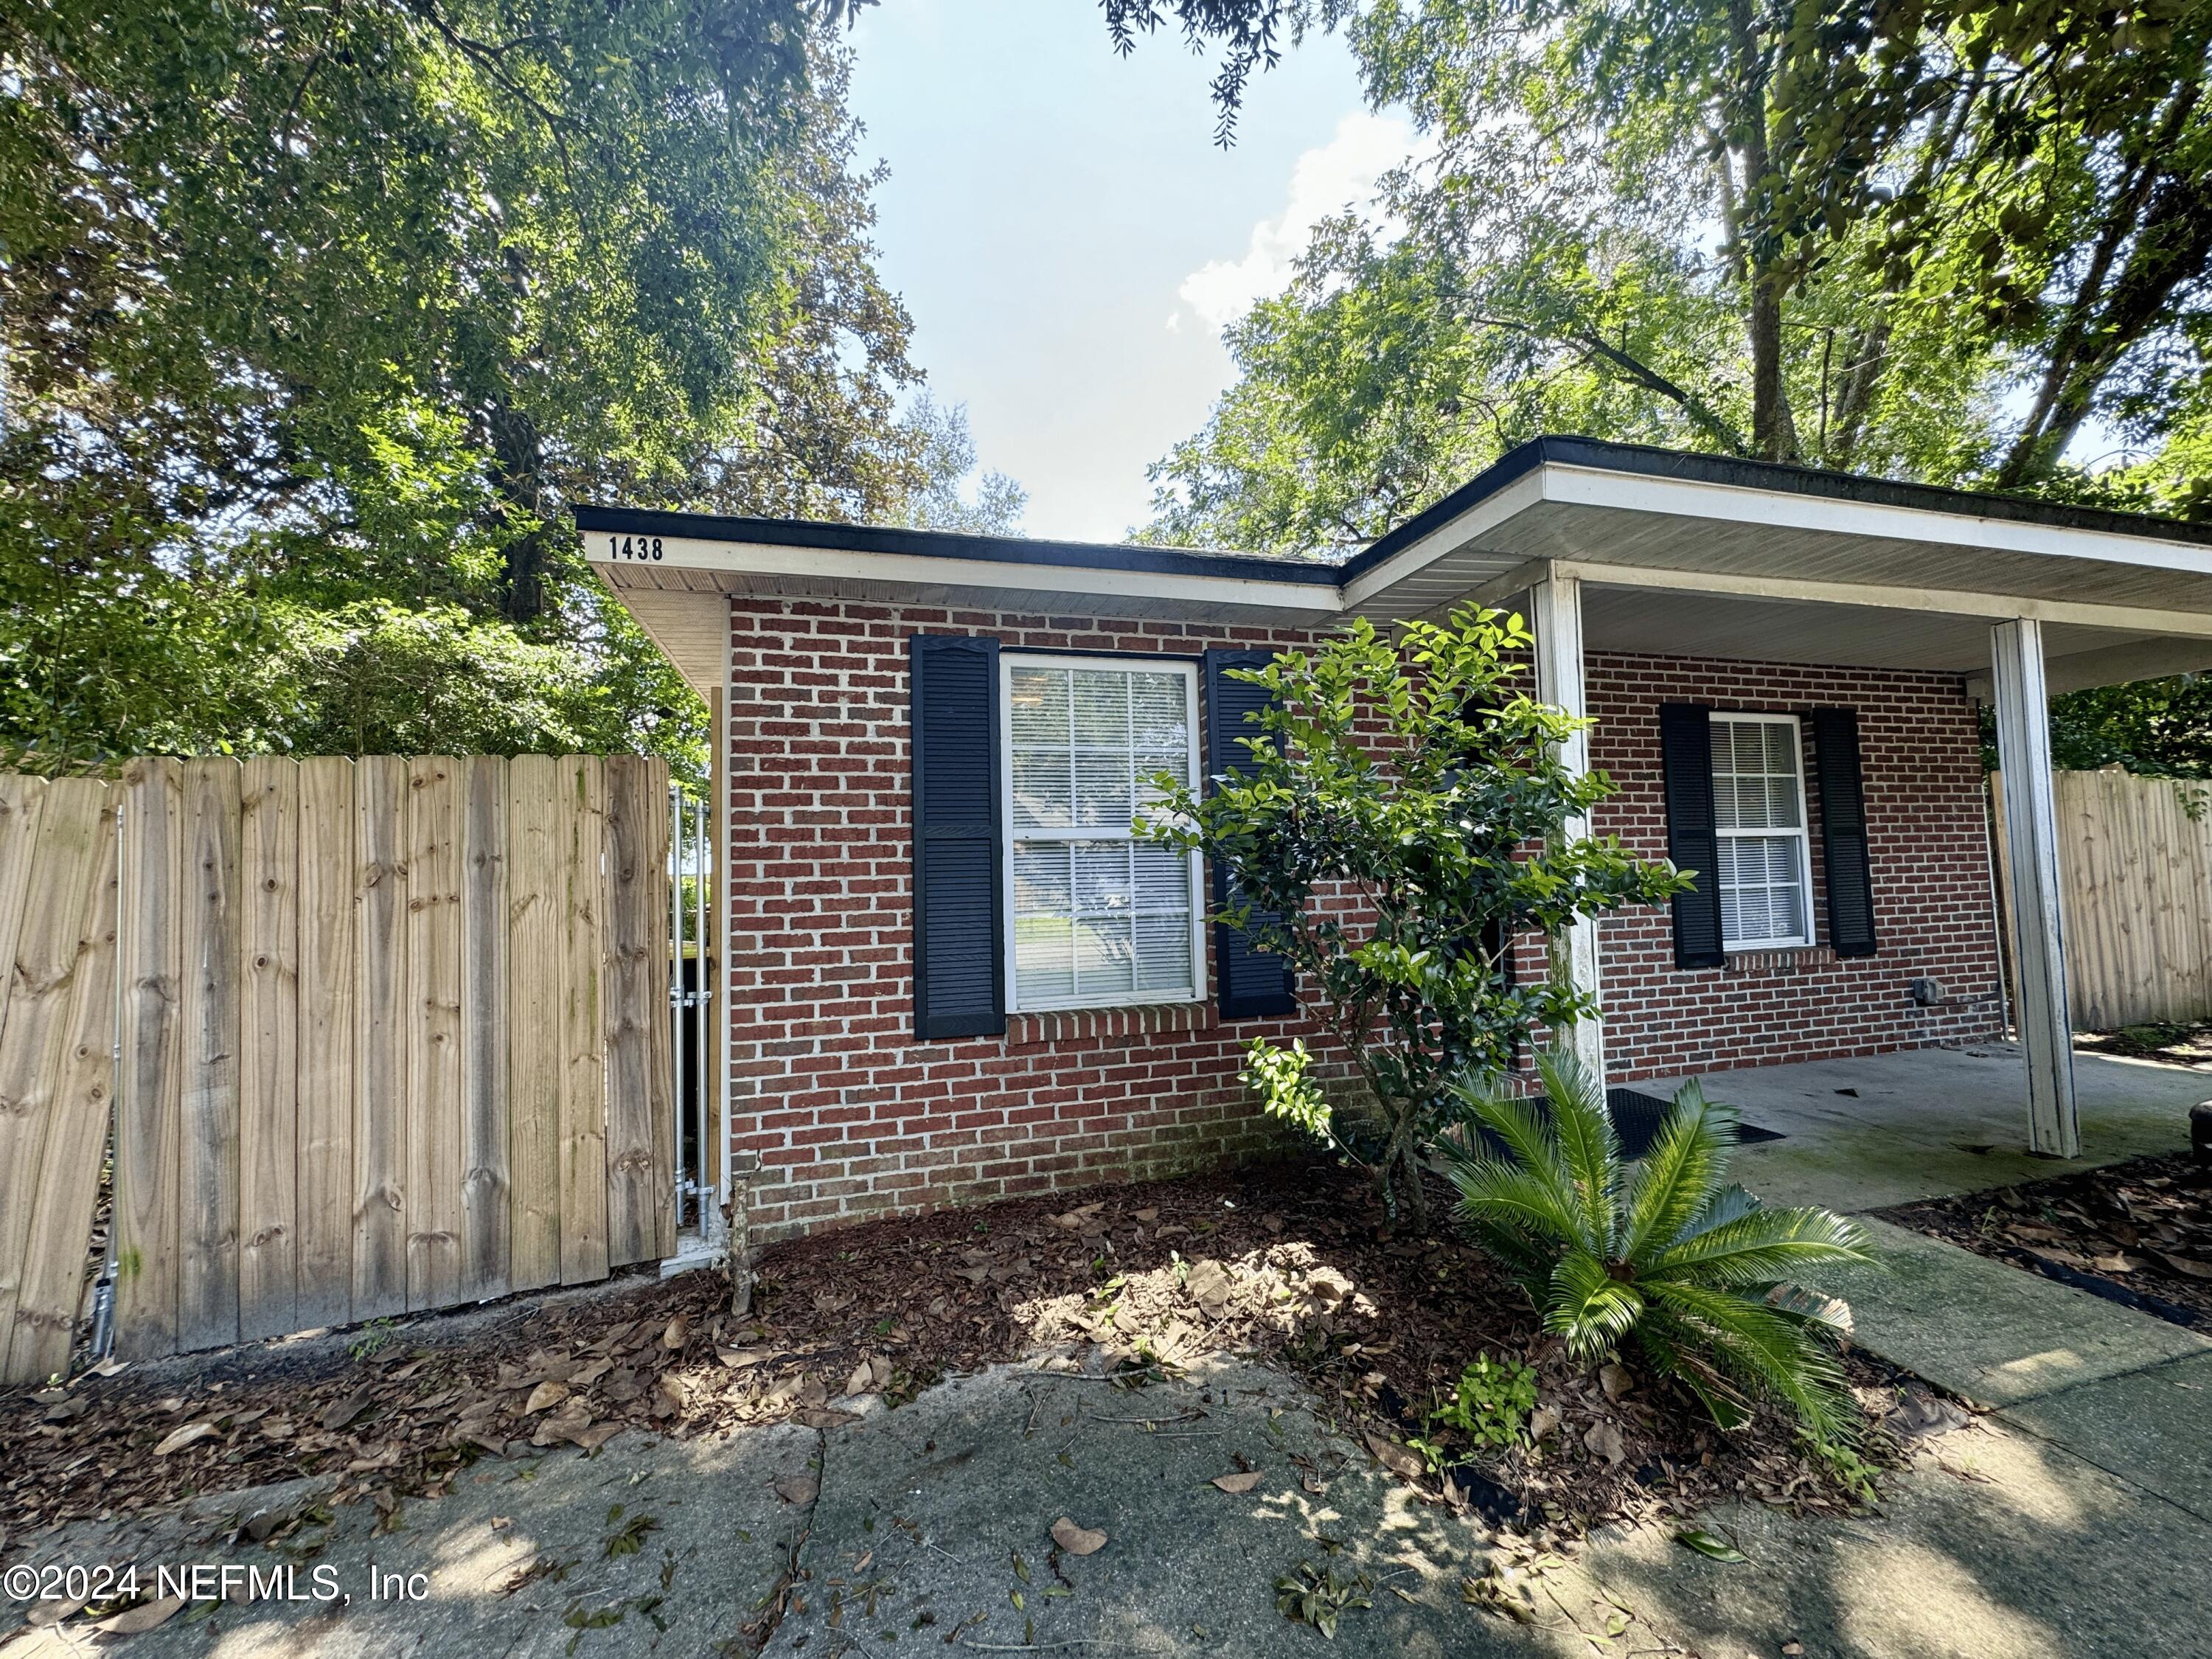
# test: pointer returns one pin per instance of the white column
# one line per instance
(1555, 612)
(2023, 719)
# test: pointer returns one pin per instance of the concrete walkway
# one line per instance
(930, 1526)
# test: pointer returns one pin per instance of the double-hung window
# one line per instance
(1759, 814)
(1095, 916)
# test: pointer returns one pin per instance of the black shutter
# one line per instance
(1843, 831)
(959, 954)
(1686, 761)
(1253, 983)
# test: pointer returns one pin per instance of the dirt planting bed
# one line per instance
(2139, 1233)
(1285, 1262)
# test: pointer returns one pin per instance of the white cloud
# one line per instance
(1325, 180)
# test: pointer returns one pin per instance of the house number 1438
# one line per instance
(633, 547)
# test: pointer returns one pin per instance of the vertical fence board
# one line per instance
(536, 1064)
(393, 1035)
(328, 886)
(433, 1056)
(636, 912)
(149, 1087)
(380, 1022)
(584, 1173)
(485, 1174)
(66, 1170)
(268, 1074)
(207, 1126)
(52, 965)
(20, 799)
(2135, 861)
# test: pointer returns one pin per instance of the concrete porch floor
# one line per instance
(1929, 1123)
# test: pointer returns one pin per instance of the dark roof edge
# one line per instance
(953, 545)
(1779, 477)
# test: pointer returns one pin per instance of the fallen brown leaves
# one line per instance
(1285, 1262)
(2143, 1228)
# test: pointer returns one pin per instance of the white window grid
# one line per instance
(1093, 838)
(1759, 819)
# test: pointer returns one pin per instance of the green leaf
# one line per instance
(1706, 1544)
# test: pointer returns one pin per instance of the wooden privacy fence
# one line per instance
(390, 1034)
(2135, 878)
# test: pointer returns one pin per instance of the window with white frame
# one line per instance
(1096, 917)
(1759, 811)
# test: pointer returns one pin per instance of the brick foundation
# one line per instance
(850, 1117)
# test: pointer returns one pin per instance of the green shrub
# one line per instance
(1657, 1253)
(1491, 1402)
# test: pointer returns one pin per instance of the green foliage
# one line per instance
(316, 320)
(1659, 1255)
(1936, 241)
(1414, 778)
(1491, 1401)
(1283, 1080)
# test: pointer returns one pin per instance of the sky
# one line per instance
(1070, 241)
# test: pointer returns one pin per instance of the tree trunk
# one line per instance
(518, 473)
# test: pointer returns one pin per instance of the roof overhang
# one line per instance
(1678, 554)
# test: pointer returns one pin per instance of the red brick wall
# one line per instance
(850, 1117)
(1920, 760)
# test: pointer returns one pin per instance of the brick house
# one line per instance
(949, 974)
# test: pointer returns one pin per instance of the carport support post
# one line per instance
(1555, 611)
(2031, 814)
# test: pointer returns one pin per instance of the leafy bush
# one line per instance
(1410, 775)
(1658, 1253)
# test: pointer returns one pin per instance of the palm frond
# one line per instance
(1591, 1308)
(1767, 1348)
(1587, 1143)
(1761, 1247)
(1681, 1172)
(1493, 1190)
(1532, 1144)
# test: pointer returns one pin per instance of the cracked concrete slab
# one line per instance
(934, 1522)
(710, 1537)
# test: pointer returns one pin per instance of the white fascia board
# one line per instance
(1484, 516)
(1998, 607)
(1785, 510)
(1318, 599)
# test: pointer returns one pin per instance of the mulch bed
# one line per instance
(2139, 1232)
(1283, 1263)
(2174, 1043)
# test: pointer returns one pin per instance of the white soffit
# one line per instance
(1601, 516)
(888, 578)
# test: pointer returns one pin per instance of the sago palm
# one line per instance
(1657, 1253)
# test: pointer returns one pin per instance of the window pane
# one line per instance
(1040, 879)
(1782, 803)
(1746, 739)
(1037, 706)
(1102, 707)
(1781, 750)
(1164, 953)
(1044, 959)
(1162, 877)
(1160, 712)
(1042, 797)
(1103, 797)
(1102, 876)
(1788, 920)
(1102, 953)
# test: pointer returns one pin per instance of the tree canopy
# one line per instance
(314, 320)
(1930, 239)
